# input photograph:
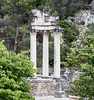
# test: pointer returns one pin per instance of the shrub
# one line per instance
(14, 71)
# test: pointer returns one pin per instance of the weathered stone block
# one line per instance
(44, 87)
(74, 97)
(60, 94)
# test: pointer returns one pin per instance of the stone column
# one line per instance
(33, 49)
(45, 54)
(57, 55)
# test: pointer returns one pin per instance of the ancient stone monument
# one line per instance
(46, 24)
(46, 85)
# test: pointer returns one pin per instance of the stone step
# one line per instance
(51, 98)
(54, 98)
(61, 94)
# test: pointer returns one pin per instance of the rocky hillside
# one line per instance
(84, 17)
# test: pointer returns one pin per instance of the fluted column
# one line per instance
(45, 54)
(33, 49)
(57, 55)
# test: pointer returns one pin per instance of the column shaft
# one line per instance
(45, 55)
(33, 49)
(57, 55)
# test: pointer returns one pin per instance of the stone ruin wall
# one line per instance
(47, 87)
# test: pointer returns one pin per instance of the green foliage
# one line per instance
(51, 53)
(83, 58)
(90, 30)
(39, 54)
(82, 23)
(57, 7)
(16, 14)
(14, 71)
(60, 7)
(74, 6)
(64, 49)
(70, 31)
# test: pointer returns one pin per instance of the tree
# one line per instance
(74, 6)
(90, 30)
(64, 49)
(83, 58)
(19, 17)
(60, 7)
(6, 29)
(14, 71)
(70, 31)
(57, 7)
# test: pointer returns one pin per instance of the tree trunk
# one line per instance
(8, 39)
(22, 40)
(16, 46)
(16, 41)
